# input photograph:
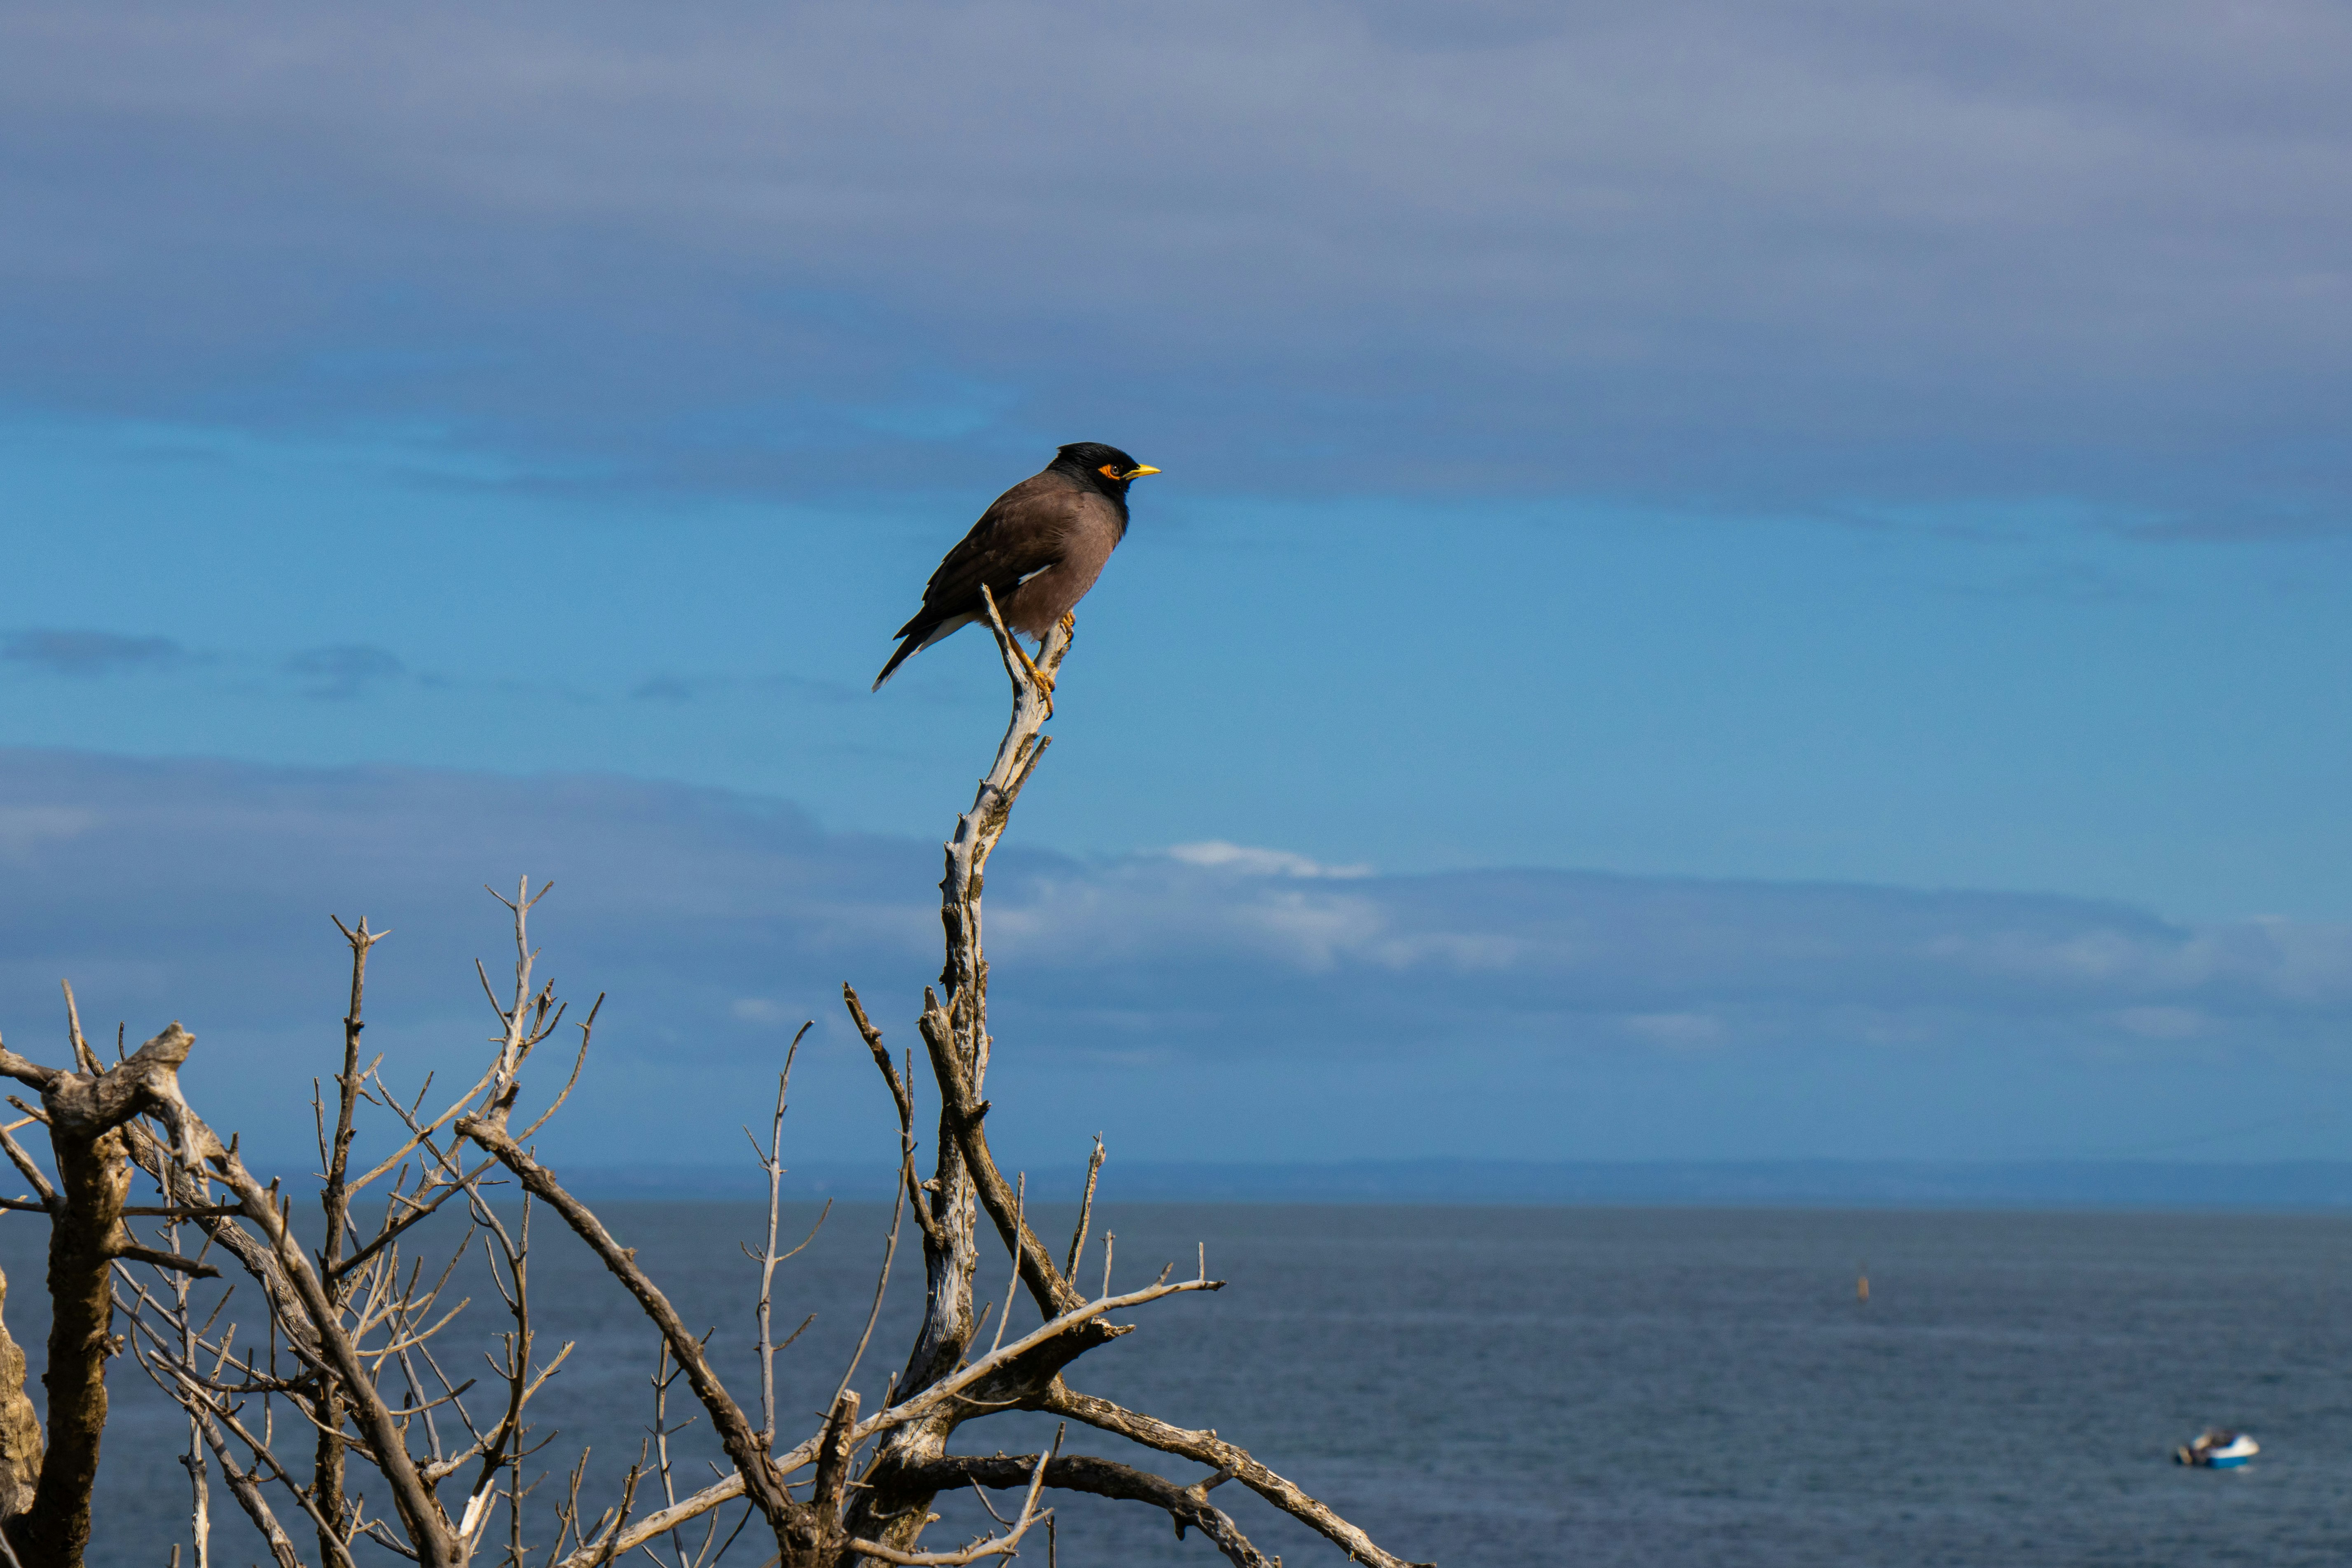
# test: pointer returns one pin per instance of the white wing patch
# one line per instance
(947, 628)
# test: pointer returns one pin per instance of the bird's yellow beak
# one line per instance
(1139, 473)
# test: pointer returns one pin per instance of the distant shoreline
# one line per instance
(2288, 1186)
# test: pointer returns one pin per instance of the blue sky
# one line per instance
(1872, 480)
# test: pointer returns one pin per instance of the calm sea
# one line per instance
(1489, 1386)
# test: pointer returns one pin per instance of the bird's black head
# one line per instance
(1106, 468)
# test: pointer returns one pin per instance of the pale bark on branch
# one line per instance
(351, 1325)
(1187, 1508)
(1208, 1449)
(84, 1113)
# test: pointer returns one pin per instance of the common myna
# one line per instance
(1037, 549)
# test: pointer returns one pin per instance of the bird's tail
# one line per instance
(906, 650)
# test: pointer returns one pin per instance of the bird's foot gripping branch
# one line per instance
(335, 1407)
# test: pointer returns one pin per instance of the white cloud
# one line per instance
(705, 915)
(1218, 855)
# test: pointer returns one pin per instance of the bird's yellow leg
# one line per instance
(1069, 624)
(1045, 681)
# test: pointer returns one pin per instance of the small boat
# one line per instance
(2217, 1448)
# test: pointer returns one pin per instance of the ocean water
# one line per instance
(1491, 1386)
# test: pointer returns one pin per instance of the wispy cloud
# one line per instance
(718, 914)
(1221, 1006)
(676, 688)
(344, 670)
(1215, 854)
(82, 654)
(349, 672)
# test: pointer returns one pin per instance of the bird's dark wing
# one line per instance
(1025, 530)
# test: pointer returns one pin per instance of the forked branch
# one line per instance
(1187, 1508)
(359, 1323)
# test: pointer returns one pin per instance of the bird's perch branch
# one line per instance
(963, 979)
(1027, 1375)
(354, 1320)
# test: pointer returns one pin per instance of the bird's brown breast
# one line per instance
(1090, 531)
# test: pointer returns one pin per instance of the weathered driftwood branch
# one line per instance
(335, 1200)
(430, 1531)
(1085, 1207)
(902, 1095)
(186, 1188)
(964, 976)
(960, 1116)
(1187, 1506)
(772, 1162)
(170, 1355)
(243, 1485)
(955, 1035)
(950, 1396)
(86, 1112)
(737, 1436)
(1228, 1458)
(358, 1322)
(1006, 1544)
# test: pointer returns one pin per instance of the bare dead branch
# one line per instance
(86, 1112)
(962, 1114)
(902, 1095)
(628, 1496)
(335, 1200)
(244, 1486)
(393, 1231)
(186, 1187)
(918, 1406)
(428, 1528)
(587, 1028)
(33, 1173)
(1186, 1506)
(835, 1446)
(1020, 1203)
(735, 1435)
(1085, 1207)
(130, 1252)
(881, 1288)
(525, 1021)
(772, 1162)
(194, 1393)
(1008, 1544)
(359, 1317)
(1208, 1449)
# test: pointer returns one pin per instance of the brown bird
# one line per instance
(1037, 549)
